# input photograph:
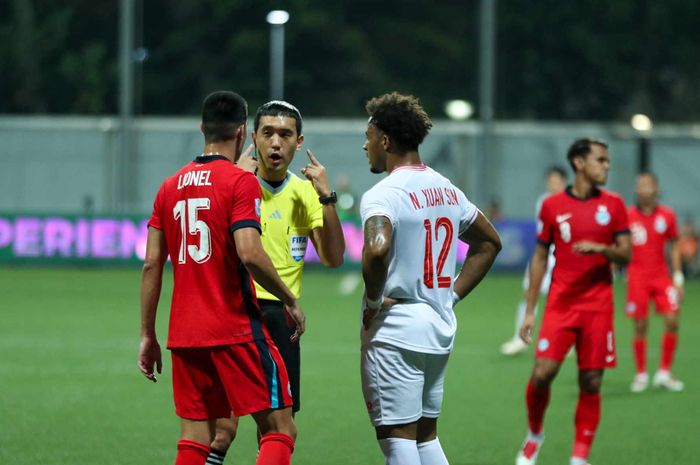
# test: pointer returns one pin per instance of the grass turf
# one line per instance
(70, 391)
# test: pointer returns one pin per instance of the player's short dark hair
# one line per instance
(581, 148)
(277, 108)
(401, 117)
(223, 112)
(556, 169)
(650, 174)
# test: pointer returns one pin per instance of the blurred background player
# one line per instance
(589, 228)
(207, 219)
(292, 211)
(555, 181)
(653, 226)
(412, 220)
(689, 244)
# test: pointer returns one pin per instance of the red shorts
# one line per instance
(591, 332)
(211, 382)
(640, 291)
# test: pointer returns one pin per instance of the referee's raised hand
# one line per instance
(247, 160)
(316, 173)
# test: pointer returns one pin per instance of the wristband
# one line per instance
(375, 304)
(455, 298)
(678, 278)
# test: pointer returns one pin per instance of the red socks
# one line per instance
(275, 449)
(536, 400)
(668, 350)
(640, 354)
(586, 421)
(191, 453)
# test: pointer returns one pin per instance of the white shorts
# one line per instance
(400, 386)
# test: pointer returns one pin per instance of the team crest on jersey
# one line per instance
(543, 345)
(602, 216)
(660, 225)
(630, 308)
(297, 247)
(258, 212)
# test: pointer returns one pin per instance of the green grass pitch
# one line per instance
(70, 391)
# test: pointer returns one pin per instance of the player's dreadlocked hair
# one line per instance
(222, 113)
(581, 148)
(401, 117)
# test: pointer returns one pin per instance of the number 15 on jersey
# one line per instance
(186, 211)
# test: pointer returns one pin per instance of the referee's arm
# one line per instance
(328, 239)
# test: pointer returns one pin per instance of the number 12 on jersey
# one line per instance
(186, 212)
(428, 270)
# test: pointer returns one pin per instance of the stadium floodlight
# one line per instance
(277, 19)
(459, 110)
(641, 122)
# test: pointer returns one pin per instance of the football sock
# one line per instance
(216, 457)
(640, 354)
(536, 400)
(431, 453)
(399, 451)
(586, 420)
(668, 350)
(275, 449)
(191, 453)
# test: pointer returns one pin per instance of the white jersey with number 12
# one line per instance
(428, 214)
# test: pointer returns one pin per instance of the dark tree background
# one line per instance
(578, 59)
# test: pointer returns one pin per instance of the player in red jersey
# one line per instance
(653, 226)
(207, 219)
(588, 227)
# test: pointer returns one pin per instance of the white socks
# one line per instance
(431, 453)
(398, 451)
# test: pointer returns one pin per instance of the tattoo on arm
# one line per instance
(377, 231)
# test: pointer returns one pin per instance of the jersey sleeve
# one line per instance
(621, 223)
(156, 220)
(545, 225)
(247, 197)
(377, 202)
(469, 212)
(314, 208)
(672, 231)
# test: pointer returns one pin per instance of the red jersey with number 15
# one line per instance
(581, 282)
(198, 209)
(649, 235)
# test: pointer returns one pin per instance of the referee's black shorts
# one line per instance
(280, 332)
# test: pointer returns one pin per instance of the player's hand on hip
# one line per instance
(298, 318)
(316, 173)
(149, 355)
(527, 328)
(368, 314)
(247, 161)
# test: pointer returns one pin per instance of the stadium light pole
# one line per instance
(642, 124)
(277, 19)
(126, 166)
(487, 72)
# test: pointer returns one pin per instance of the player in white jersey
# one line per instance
(555, 180)
(412, 220)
